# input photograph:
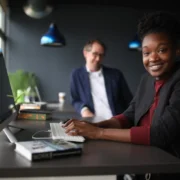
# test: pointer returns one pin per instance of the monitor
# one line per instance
(6, 102)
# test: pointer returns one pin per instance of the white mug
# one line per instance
(62, 96)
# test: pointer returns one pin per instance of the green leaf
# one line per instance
(22, 80)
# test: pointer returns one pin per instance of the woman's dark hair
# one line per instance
(160, 21)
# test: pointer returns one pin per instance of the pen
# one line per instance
(67, 120)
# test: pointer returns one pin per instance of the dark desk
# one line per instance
(98, 158)
(65, 107)
(64, 110)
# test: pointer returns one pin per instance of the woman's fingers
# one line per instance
(69, 122)
(70, 127)
(77, 127)
(74, 132)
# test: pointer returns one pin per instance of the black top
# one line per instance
(165, 127)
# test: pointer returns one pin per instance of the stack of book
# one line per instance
(31, 114)
(35, 150)
(37, 105)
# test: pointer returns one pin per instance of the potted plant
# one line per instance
(23, 85)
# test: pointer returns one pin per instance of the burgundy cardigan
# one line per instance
(141, 134)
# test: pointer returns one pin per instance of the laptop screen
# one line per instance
(5, 90)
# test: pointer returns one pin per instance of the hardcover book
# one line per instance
(34, 116)
(35, 150)
(33, 106)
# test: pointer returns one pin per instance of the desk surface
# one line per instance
(61, 107)
(98, 158)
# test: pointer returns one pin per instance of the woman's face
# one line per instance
(158, 52)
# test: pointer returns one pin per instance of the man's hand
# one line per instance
(87, 113)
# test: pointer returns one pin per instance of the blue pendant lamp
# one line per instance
(135, 44)
(53, 37)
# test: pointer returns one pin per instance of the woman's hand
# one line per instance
(76, 127)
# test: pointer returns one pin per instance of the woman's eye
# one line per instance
(162, 50)
(145, 53)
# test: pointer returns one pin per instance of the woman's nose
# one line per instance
(154, 56)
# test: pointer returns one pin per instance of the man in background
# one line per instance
(98, 90)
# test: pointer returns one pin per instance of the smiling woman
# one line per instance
(158, 55)
(159, 47)
(153, 116)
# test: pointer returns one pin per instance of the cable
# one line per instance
(33, 136)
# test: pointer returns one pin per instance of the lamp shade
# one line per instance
(37, 8)
(53, 37)
(135, 44)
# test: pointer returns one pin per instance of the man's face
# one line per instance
(158, 54)
(94, 57)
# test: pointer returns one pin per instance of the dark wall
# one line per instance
(116, 26)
